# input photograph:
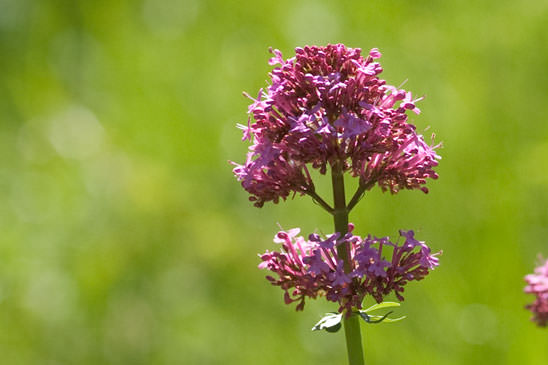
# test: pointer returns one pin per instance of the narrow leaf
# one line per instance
(372, 318)
(366, 317)
(390, 320)
(381, 306)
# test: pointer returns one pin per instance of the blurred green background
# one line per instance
(124, 238)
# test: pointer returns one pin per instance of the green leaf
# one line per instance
(381, 306)
(390, 320)
(373, 318)
(378, 319)
(331, 322)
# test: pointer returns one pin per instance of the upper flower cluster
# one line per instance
(311, 268)
(537, 284)
(327, 105)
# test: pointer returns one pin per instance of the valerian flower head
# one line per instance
(325, 105)
(312, 268)
(537, 284)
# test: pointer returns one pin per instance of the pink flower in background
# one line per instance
(537, 284)
(312, 268)
(327, 105)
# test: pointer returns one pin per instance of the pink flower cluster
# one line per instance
(325, 105)
(312, 268)
(537, 284)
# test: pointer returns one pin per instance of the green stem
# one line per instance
(351, 323)
(318, 200)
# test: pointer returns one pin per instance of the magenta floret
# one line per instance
(327, 104)
(312, 268)
(537, 284)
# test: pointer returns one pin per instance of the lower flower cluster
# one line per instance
(537, 284)
(312, 268)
